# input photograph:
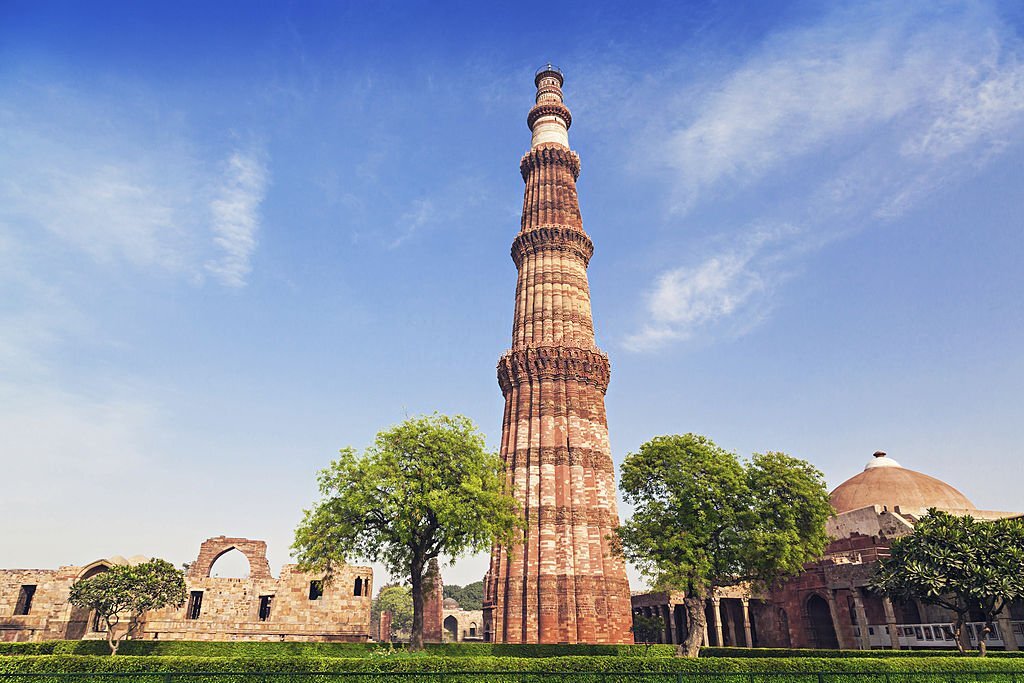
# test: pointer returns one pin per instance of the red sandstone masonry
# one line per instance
(563, 583)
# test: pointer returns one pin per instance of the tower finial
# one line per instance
(549, 120)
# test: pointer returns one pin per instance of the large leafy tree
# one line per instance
(125, 592)
(425, 487)
(959, 563)
(702, 519)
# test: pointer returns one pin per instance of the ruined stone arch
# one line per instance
(213, 548)
(81, 619)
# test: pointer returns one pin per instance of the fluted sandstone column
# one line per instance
(563, 584)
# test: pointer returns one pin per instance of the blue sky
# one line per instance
(235, 237)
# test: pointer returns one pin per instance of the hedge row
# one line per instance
(759, 652)
(193, 648)
(520, 669)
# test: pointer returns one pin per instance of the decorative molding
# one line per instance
(554, 363)
(552, 238)
(549, 154)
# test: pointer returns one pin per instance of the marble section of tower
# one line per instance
(563, 584)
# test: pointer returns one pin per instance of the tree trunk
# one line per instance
(416, 638)
(696, 620)
(982, 637)
(958, 634)
(114, 643)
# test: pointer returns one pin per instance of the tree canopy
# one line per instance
(126, 591)
(469, 597)
(703, 519)
(959, 563)
(426, 486)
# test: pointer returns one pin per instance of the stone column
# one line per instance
(890, 621)
(670, 625)
(707, 641)
(747, 635)
(1006, 631)
(833, 609)
(862, 619)
(716, 612)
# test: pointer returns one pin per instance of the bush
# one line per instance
(194, 648)
(579, 669)
(759, 652)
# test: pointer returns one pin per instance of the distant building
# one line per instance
(294, 607)
(829, 605)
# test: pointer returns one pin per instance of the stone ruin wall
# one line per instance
(229, 610)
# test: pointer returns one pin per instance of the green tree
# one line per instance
(425, 487)
(125, 592)
(469, 597)
(703, 519)
(959, 563)
(396, 599)
(646, 629)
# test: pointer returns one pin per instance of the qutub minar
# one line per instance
(563, 584)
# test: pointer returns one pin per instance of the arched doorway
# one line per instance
(451, 625)
(819, 616)
(81, 619)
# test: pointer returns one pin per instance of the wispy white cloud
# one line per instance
(236, 217)
(853, 121)
(108, 179)
(420, 213)
(733, 281)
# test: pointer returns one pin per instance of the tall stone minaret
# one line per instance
(563, 584)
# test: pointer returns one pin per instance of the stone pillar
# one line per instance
(862, 619)
(1006, 631)
(833, 609)
(890, 621)
(747, 635)
(706, 642)
(716, 612)
(670, 625)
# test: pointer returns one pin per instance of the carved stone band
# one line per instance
(549, 109)
(552, 238)
(550, 154)
(553, 363)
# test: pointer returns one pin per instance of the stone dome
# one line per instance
(885, 482)
(450, 603)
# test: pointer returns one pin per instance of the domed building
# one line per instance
(829, 605)
(887, 483)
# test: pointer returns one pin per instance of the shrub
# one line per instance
(580, 669)
(192, 648)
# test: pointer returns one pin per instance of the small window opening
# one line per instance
(472, 630)
(25, 596)
(265, 601)
(359, 585)
(195, 604)
(316, 590)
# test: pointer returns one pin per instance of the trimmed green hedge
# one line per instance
(195, 648)
(593, 669)
(759, 652)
